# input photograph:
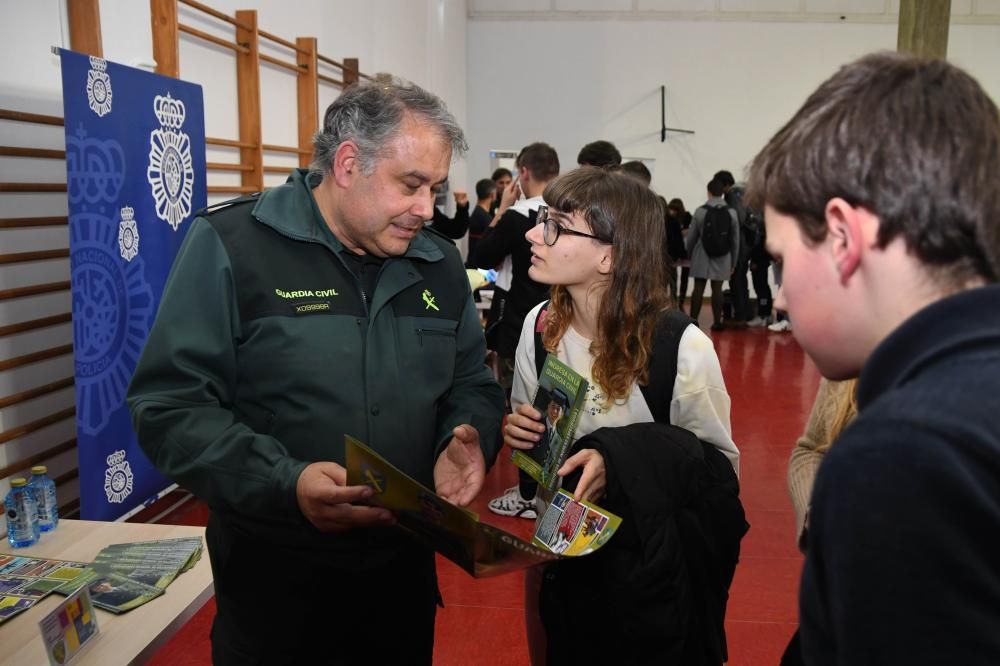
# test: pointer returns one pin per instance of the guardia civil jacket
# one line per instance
(266, 352)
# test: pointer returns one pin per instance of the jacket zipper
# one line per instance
(364, 301)
(431, 332)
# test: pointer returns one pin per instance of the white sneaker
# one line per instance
(512, 504)
(780, 326)
(756, 322)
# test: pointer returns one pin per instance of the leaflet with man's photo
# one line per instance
(559, 397)
(480, 549)
(112, 592)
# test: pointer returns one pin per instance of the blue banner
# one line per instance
(135, 168)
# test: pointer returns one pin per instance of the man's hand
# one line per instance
(461, 198)
(329, 503)
(460, 469)
(593, 479)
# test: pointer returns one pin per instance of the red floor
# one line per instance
(772, 385)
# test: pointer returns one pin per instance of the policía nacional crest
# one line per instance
(117, 478)
(128, 234)
(99, 87)
(170, 172)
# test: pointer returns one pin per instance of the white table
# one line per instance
(123, 639)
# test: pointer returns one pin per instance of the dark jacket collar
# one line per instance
(959, 324)
(291, 210)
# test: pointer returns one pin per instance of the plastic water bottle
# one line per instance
(43, 489)
(22, 521)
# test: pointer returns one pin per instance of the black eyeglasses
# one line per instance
(552, 229)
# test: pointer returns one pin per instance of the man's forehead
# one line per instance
(426, 158)
(425, 176)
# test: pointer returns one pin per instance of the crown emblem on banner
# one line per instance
(98, 64)
(169, 111)
(128, 214)
(116, 458)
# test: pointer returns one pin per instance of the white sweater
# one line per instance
(700, 402)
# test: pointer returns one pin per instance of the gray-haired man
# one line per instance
(316, 309)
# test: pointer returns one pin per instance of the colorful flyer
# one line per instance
(481, 549)
(11, 605)
(572, 527)
(69, 628)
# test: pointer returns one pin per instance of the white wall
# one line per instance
(569, 81)
(420, 40)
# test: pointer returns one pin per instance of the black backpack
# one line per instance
(717, 231)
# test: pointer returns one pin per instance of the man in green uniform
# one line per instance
(317, 309)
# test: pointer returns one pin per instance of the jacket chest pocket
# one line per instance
(430, 355)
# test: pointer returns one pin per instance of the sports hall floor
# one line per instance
(772, 385)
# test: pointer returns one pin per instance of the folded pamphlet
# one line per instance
(480, 549)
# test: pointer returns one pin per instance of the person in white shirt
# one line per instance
(599, 247)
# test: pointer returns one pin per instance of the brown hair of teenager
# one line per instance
(540, 159)
(625, 212)
(914, 141)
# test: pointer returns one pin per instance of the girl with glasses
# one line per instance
(599, 245)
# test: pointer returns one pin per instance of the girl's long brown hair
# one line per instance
(624, 211)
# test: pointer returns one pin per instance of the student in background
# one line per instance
(453, 227)
(678, 224)
(486, 194)
(639, 171)
(713, 250)
(601, 154)
(537, 165)
(835, 407)
(502, 177)
(739, 289)
(881, 202)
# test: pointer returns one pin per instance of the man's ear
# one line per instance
(845, 233)
(346, 166)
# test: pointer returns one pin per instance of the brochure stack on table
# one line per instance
(122, 577)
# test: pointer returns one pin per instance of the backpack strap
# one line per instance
(663, 363)
(540, 352)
